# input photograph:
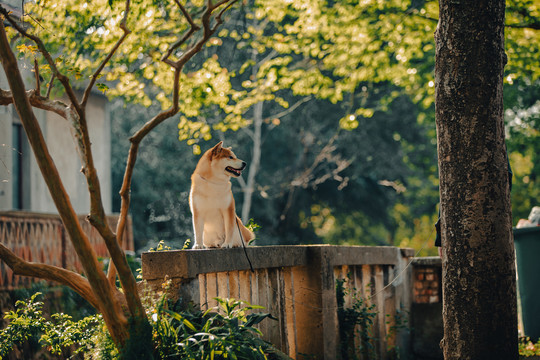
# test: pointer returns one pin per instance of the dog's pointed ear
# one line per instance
(216, 149)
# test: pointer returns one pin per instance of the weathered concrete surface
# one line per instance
(297, 284)
(190, 263)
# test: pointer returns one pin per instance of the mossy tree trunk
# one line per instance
(479, 288)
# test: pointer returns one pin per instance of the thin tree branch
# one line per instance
(62, 78)
(36, 74)
(219, 20)
(532, 26)
(207, 32)
(111, 308)
(96, 74)
(39, 102)
(291, 108)
(50, 86)
(193, 28)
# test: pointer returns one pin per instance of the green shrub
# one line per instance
(229, 333)
(528, 348)
(353, 321)
(56, 334)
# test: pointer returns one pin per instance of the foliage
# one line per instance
(528, 348)
(523, 132)
(229, 332)
(397, 324)
(352, 77)
(56, 334)
(355, 321)
(361, 72)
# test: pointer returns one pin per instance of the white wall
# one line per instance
(62, 147)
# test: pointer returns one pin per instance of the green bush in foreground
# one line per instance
(227, 334)
(528, 348)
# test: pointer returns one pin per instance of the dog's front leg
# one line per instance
(198, 229)
(229, 217)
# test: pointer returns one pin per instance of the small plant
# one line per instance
(253, 226)
(398, 323)
(187, 244)
(356, 322)
(229, 333)
(528, 348)
(56, 334)
(226, 332)
(160, 247)
(353, 321)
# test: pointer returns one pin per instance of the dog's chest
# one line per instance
(206, 195)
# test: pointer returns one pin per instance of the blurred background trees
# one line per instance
(330, 103)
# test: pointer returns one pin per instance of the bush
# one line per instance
(528, 348)
(228, 333)
(56, 334)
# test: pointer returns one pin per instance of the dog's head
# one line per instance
(223, 160)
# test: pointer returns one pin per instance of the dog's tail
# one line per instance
(247, 234)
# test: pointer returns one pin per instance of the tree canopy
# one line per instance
(338, 94)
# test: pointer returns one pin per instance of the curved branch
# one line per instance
(62, 78)
(111, 308)
(48, 272)
(40, 102)
(95, 75)
(164, 115)
(158, 119)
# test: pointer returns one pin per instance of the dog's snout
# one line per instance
(243, 164)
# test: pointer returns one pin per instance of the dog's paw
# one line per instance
(196, 246)
(231, 245)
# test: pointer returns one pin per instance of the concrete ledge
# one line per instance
(427, 261)
(187, 264)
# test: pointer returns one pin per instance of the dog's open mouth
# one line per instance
(235, 172)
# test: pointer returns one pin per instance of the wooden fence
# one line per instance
(41, 238)
(297, 284)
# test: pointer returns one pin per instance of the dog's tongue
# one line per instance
(234, 171)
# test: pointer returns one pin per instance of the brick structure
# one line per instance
(427, 280)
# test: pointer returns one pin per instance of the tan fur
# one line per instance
(215, 223)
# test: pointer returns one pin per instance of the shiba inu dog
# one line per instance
(215, 223)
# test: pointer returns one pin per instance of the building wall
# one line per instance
(62, 147)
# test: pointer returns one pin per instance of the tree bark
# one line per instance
(479, 288)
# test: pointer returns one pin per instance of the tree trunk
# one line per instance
(479, 289)
(249, 189)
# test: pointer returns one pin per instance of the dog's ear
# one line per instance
(216, 149)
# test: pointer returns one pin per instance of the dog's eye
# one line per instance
(230, 157)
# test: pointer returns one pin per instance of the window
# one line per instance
(17, 166)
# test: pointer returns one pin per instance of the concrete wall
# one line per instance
(297, 284)
(64, 151)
